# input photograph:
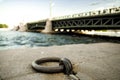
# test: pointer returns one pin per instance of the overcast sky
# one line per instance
(13, 12)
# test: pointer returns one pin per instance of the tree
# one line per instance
(3, 26)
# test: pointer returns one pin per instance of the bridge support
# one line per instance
(48, 27)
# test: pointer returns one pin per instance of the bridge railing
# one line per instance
(91, 13)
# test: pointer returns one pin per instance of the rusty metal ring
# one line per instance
(47, 69)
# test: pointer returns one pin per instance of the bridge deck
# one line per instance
(101, 19)
(111, 21)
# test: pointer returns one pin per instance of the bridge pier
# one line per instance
(48, 27)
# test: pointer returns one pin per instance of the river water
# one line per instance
(14, 39)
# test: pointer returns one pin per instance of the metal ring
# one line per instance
(68, 68)
(47, 69)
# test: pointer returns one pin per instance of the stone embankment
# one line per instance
(98, 61)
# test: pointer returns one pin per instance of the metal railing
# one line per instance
(91, 13)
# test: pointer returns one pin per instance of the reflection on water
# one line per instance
(11, 39)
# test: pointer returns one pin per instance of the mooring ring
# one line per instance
(47, 69)
(68, 68)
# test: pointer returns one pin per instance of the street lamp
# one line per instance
(51, 4)
(50, 9)
(48, 26)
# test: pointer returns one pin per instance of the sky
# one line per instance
(13, 12)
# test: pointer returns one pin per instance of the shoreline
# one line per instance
(28, 47)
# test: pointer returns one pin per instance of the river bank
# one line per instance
(94, 61)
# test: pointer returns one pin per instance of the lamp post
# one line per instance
(50, 9)
(48, 26)
(51, 4)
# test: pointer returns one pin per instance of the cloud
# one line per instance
(95, 3)
(112, 2)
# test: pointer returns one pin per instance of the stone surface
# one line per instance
(99, 61)
(48, 27)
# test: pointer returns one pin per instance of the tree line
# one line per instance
(3, 26)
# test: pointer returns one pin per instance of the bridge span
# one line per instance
(93, 20)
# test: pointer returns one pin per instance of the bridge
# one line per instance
(93, 20)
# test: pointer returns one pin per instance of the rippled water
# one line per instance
(12, 39)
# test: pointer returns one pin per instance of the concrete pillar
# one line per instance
(23, 28)
(48, 27)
